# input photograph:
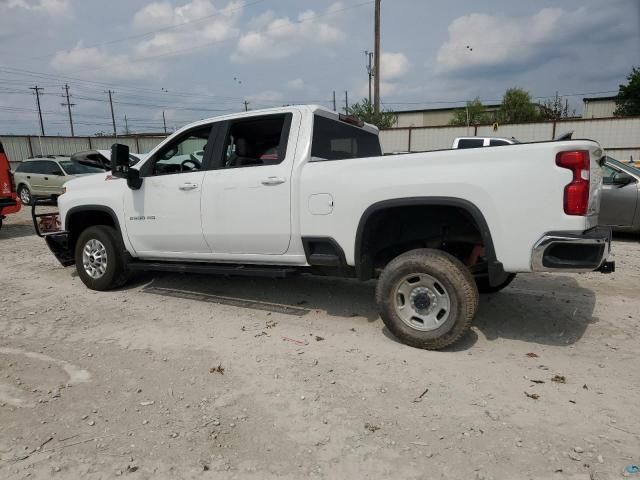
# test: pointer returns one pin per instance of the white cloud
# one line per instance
(490, 42)
(113, 67)
(386, 88)
(206, 24)
(393, 65)
(264, 99)
(296, 84)
(281, 37)
(52, 7)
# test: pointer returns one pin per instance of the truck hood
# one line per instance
(87, 180)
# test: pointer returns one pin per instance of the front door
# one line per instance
(163, 216)
(246, 198)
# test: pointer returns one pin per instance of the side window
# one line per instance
(497, 143)
(337, 140)
(607, 175)
(38, 166)
(470, 143)
(256, 142)
(184, 154)
(51, 168)
(24, 167)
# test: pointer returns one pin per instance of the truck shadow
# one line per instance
(16, 230)
(542, 309)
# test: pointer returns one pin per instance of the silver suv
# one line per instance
(44, 177)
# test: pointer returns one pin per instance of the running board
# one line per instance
(213, 269)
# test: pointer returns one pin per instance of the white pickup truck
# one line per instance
(302, 189)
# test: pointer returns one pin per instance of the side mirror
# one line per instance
(119, 160)
(120, 166)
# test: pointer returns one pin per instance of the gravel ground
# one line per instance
(188, 376)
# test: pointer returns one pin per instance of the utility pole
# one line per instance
(164, 122)
(69, 105)
(126, 125)
(376, 75)
(369, 71)
(37, 90)
(346, 102)
(334, 101)
(113, 117)
(246, 106)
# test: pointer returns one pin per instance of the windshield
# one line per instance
(75, 168)
(627, 167)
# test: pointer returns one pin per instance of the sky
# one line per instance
(194, 59)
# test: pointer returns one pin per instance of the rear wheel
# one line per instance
(427, 298)
(485, 287)
(100, 259)
(25, 195)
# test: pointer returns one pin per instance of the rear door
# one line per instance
(36, 174)
(246, 199)
(618, 203)
(52, 178)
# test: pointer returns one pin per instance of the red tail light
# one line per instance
(576, 194)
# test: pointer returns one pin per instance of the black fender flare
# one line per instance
(92, 208)
(496, 270)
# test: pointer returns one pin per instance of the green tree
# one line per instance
(517, 107)
(475, 113)
(365, 112)
(628, 101)
(556, 108)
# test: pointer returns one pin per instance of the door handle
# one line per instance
(28, 176)
(188, 186)
(273, 181)
(46, 178)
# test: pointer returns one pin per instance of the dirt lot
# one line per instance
(178, 376)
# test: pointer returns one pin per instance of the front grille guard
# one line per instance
(45, 224)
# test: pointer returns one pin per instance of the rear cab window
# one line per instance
(337, 140)
(470, 143)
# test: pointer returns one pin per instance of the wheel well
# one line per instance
(390, 231)
(79, 221)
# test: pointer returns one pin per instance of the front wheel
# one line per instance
(100, 259)
(427, 298)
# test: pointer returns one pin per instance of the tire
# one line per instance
(485, 287)
(104, 265)
(434, 285)
(23, 191)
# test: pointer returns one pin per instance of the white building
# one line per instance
(599, 107)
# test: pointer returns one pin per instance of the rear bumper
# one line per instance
(573, 251)
(9, 205)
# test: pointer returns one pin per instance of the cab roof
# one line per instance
(313, 109)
